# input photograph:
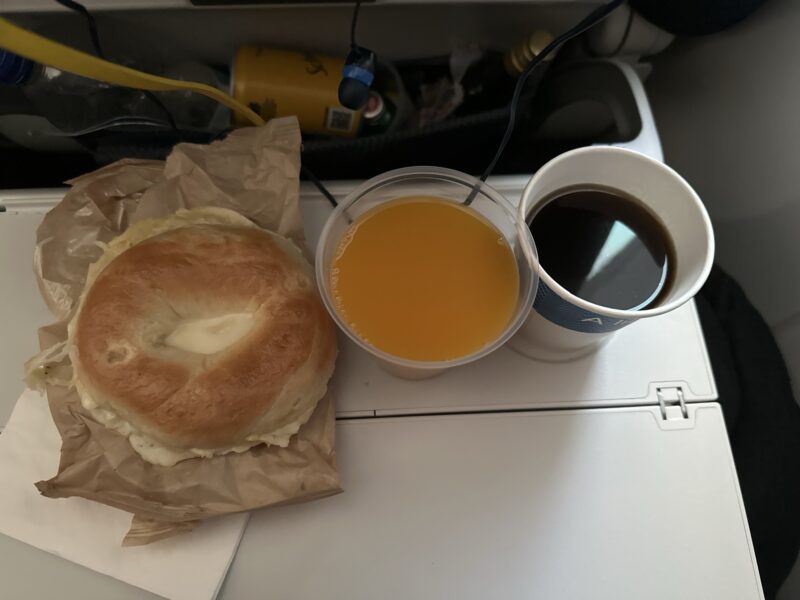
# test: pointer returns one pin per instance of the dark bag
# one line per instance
(763, 422)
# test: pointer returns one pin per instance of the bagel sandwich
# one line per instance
(200, 334)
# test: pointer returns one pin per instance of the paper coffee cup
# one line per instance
(562, 326)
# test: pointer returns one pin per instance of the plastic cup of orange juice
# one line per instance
(420, 280)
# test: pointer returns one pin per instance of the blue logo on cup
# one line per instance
(562, 312)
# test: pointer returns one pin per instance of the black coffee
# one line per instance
(604, 246)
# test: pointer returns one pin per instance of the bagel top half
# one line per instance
(200, 334)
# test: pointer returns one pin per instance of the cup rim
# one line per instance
(630, 315)
(528, 248)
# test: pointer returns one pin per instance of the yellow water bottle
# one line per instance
(279, 83)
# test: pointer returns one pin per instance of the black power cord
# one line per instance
(80, 8)
(354, 47)
(585, 24)
(353, 23)
(625, 34)
(98, 50)
(319, 185)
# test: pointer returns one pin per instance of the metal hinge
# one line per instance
(672, 404)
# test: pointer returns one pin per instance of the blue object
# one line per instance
(14, 69)
(357, 77)
(359, 74)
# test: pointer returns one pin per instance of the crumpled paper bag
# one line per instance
(254, 172)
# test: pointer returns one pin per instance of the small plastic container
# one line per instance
(448, 185)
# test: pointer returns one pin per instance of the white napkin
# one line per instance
(190, 566)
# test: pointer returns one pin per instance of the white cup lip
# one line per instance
(526, 294)
(630, 315)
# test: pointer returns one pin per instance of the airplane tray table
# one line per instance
(470, 485)
(594, 504)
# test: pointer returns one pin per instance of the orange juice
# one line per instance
(425, 279)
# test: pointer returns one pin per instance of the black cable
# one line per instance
(625, 34)
(353, 23)
(98, 50)
(80, 8)
(305, 170)
(320, 186)
(586, 23)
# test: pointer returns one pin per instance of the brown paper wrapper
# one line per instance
(254, 172)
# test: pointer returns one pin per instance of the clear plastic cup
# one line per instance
(448, 185)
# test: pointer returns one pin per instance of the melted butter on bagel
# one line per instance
(212, 334)
(201, 334)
